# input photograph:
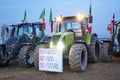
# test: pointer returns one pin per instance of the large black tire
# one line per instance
(104, 52)
(36, 54)
(78, 57)
(25, 56)
(3, 57)
(94, 50)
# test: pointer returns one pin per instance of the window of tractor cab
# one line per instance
(25, 29)
(39, 31)
(68, 24)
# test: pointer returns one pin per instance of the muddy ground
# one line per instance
(95, 71)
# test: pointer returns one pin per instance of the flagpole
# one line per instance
(90, 2)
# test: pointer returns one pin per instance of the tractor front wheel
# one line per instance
(25, 56)
(78, 57)
(36, 54)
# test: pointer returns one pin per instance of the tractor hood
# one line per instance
(55, 38)
(14, 42)
(16, 39)
(61, 40)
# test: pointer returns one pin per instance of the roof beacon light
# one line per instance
(80, 17)
(59, 19)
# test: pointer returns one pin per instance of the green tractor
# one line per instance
(72, 38)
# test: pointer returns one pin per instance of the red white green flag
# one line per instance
(90, 22)
(42, 16)
(51, 20)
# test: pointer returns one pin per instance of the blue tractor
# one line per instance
(20, 46)
(111, 46)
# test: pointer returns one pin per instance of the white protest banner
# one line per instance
(50, 60)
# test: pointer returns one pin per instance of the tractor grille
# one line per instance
(55, 39)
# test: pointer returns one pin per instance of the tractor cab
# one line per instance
(33, 31)
(76, 24)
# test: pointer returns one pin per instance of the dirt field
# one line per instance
(97, 71)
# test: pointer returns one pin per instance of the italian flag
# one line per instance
(51, 20)
(42, 16)
(89, 24)
(90, 28)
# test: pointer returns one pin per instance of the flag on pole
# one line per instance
(25, 15)
(90, 14)
(89, 28)
(51, 20)
(90, 20)
(111, 25)
(24, 19)
(113, 17)
(42, 16)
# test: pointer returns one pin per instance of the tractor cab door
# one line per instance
(39, 33)
(80, 29)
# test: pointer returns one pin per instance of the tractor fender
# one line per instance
(45, 39)
(43, 43)
(26, 44)
(82, 42)
(103, 40)
(94, 34)
(93, 37)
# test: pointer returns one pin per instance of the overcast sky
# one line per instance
(12, 11)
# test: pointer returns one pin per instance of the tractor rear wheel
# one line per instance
(3, 59)
(104, 52)
(94, 50)
(78, 57)
(36, 54)
(25, 56)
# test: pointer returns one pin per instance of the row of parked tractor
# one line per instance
(71, 35)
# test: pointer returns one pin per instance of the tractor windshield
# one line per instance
(68, 24)
(25, 29)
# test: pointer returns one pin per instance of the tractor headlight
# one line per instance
(60, 46)
(51, 45)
